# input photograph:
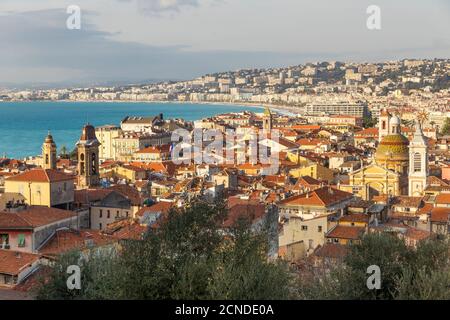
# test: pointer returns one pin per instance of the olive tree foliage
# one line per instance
(406, 273)
(190, 256)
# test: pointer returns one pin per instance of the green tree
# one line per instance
(369, 122)
(63, 153)
(446, 127)
(406, 273)
(188, 257)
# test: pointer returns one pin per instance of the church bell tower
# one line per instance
(49, 153)
(418, 163)
(88, 163)
(267, 119)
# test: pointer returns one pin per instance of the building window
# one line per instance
(319, 228)
(21, 240)
(108, 214)
(93, 169)
(117, 214)
(100, 215)
(126, 213)
(304, 228)
(383, 125)
(417, 162)
(100, 226)
(4, 241)
(82, 163)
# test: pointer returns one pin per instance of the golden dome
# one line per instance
(392, 147)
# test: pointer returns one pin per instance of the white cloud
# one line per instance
(159, 6)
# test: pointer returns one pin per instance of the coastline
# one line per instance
(285, 110)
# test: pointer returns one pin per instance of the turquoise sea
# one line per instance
(24, 125)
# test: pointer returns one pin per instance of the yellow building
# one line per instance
(124, 171)
(43, 187)
(389, 174)
(313, 170)
(374, 180)
(310, 233)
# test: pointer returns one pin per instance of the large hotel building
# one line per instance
(358, 109)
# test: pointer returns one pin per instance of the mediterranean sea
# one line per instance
(24, 125)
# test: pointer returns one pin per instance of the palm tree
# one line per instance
(422, 117)
(63, 152)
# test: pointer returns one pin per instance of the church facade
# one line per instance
(399, 167)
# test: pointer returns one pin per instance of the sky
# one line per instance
(139, 40)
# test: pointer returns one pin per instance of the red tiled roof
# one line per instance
(90, 195)
(157, 149)
(324, 196)
(67, 240)
(131, 231)
(405, 201)
(344, 232)
(162, 167)
(426, 208)
(417, 234)
(13, 262)
(162, 206)
(443, 198)
(41, 175)
(369, 132)
(34, 216)
(440, 215)
(331, 250)
(311, 142)
(249, 211)
(128, 192)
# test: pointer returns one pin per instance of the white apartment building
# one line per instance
(106, 135)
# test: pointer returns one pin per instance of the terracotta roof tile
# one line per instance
(324, 196)
(443, 198)
(440, 215)
(162, 206)
(331, 250)
(41, 175)
(344, 232)
(34, 216)
(67, 240)
(249, 211)
(13, 262)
